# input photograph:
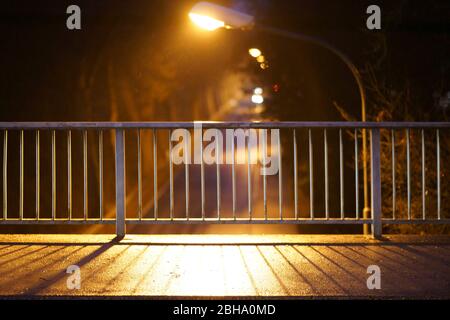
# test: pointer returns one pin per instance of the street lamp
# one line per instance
(206, 22)
(222, 17)
(211, 16)
(254, 52)
(257, 97)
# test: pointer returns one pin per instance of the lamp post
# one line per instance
(210, 16)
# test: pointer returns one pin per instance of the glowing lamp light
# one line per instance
(257, 99)
(206, 22)
(258, 91)
(254, 52)
(210, 16)
(260, 59)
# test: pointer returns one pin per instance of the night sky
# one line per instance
(151, 50)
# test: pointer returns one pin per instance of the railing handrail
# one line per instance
(218, 124)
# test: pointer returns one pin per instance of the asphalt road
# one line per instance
(230, 266)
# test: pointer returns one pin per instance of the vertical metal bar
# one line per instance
(69, 174)
(53, 174)
(5, 174)
(408, 173)
(311, 176)
(202, 178)
(393, 173)
(85, 176)
(120, 183)
(249, 179)
(155, 173)
(295, 175)
(139, 172)
(325, 146)
(100, 173)
(341, 172)
(21, 159)
(280, 176)
(423, 175)
(38, 169)
(356, 175)
(186, 174)
(366, 207)
(438, 172)
(218, 153)
(171, 204)
(233, 178)
(264, 151)
(375, 182)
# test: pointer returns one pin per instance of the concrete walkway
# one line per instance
(221, 265)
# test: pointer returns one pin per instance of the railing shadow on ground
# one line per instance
(62, 274)
(37, 270)
(308, 263)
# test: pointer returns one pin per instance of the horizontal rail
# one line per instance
(250, 221)
(57, 221)
(217, 124)
(302, 221)
(191, 221)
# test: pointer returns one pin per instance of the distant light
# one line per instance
(276, 87)
(254, 52)
(206, 22)
(260, 59)
(257, 98)
(258, 91)
(264, 66)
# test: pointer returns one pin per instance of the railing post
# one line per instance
(375, 182)
(120, 183)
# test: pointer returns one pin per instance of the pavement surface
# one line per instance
(232, 266)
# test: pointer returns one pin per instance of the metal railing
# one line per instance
(385, 141)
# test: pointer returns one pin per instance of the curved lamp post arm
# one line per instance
(362, 93)
(323, 44)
